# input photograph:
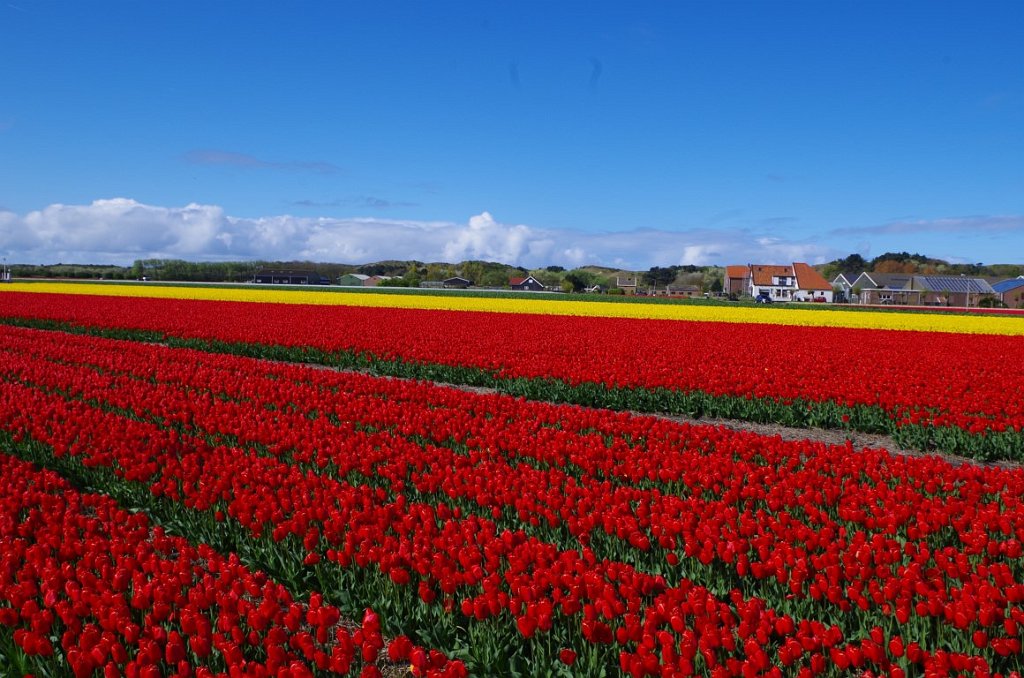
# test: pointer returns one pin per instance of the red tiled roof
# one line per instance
(763, 274)
(809, 279)
(516, 281)
(736, 271)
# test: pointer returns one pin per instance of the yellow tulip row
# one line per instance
(816, 317)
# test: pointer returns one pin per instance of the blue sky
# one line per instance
(570, 133)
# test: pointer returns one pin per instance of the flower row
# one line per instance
(97, 590)
(918, 385)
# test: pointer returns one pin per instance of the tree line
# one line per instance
(400, 273)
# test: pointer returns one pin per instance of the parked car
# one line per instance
(762, 298)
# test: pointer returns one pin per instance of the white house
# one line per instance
(798, 282)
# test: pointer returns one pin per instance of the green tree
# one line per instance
(660, 277)
(577, 280)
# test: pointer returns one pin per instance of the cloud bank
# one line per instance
(971, 225)
(121, 230)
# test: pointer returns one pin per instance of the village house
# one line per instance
(626, 284)
(796, 282)
(1011, 292)
(842, 284)
(527, 284)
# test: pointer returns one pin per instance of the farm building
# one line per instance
(737, 281)
(361, 280)
(456, 283)
(921, 290)
(353, 280)
(289, 277)
(885, 288)
(684, 291)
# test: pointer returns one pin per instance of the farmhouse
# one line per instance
(529, 284)
(796, 282)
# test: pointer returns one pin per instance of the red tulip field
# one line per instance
(961, 393)
(181, 496)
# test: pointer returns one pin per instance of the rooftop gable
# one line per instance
(763, 274)
(808, 278)
(1007, 285)
(737, 271)
(952, 283)
(885, 281)
(523, 281)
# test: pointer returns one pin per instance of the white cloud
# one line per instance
(121, 230)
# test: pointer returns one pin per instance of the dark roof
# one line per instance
(283, 271)
(889, 281)
(1007, 285)
(952, 283)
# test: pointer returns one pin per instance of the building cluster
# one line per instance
(907, 289)
(765, 283)
(801, 282)
(912, 290)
